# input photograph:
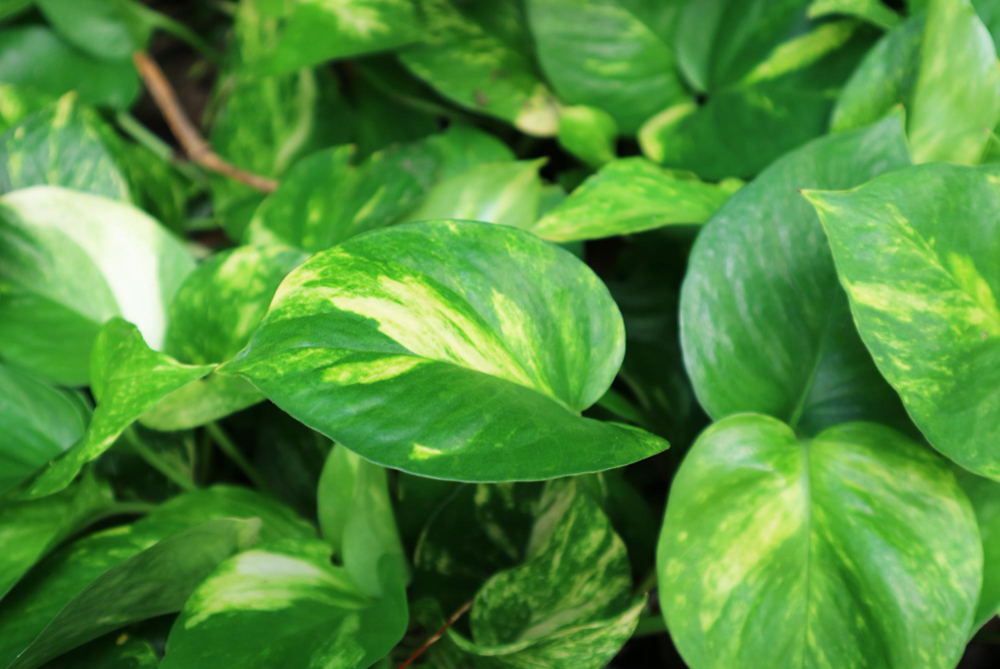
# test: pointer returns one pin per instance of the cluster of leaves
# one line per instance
(514, 248)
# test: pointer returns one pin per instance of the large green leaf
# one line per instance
(30, 529)
(985, 497)
(314, 31)
(35, 57)
(103, 29)
(455, 350)
(778, 106)
(631, 195)
(477, 54)
(569, 604)
(286, 605)
(211, 319)
(70, 261)
(112, 651)
(19, 102)
(764, 324)
(855, 548)
(40, 423)
(155, 582)
(916, 252)
(127, 378)
(604, 55)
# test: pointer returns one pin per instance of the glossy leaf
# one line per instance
(441, 348)
(927, 309)
(604, 55)
(40, 423)
(764, 324)
(631, 195)
(69, 262)
(35, 57)
(286, 605)
(852, 548)
(588, 133)
(476, 55)
(154, 582)
(127, 378)
(569, 604)
(985, 497)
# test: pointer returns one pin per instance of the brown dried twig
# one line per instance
(196, 148)
(437, 635)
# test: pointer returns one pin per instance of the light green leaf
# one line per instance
(40, 423)
(152, 583)
(211, 318)
(764, 324)
(36, 58)
(286, 605)
(30, 529)
(855, 548)
(455, 350)
(588, 133)
(477, 54)
(19, 102)
(916, 252)
(631, 195)
(873, 11)
(603, 55)
(69, 262)
(314, 31)
(718, 41)
(356, 518)
(127, 378)
(985, 497)
(506, 193)
(103, 29)
(569, 604)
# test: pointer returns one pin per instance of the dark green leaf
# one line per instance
(101, 28)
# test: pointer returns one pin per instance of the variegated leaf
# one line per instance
(632, 195)
(456, 350)
(71, 261)
(855, 548)
(764, 324)
(873, 11)
(127, 378)
(916, 252)
(985, 497)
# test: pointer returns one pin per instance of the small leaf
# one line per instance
(455, 350)
(631, 195)
(916, 252)
(830, 551)
(127, 378)
(588, 133)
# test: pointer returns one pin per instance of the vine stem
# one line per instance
(437, 635)
(227, 446)
(154, 460)
(196, 148)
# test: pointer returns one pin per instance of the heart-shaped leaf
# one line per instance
(455, 350)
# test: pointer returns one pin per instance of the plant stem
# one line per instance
(154, 460)
(437, 635)
(233, 453)
(144, 136)
(650, 625)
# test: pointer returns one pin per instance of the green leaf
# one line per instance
(152, 583)
(40, 423)
(286, 605)
(718, 41)
(30, 529)
(916, 252)
(101, 28)
(290, 457)
(569, 604)
(71, 261)
(455, 350)
(211, 318)
(19, 102)
(477, 55)
(36, 58)
(631, 195)
(356, 518)
(588, 133)
(314, 31)
(854, 547)
(873, 11)
(127, 378)
(985, 497)
(603, 55)
(506, 193)
(764, 324)
(778, 106)
(112, 651)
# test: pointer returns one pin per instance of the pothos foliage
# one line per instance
(417, 379)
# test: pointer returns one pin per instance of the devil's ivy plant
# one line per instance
(499, 335)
